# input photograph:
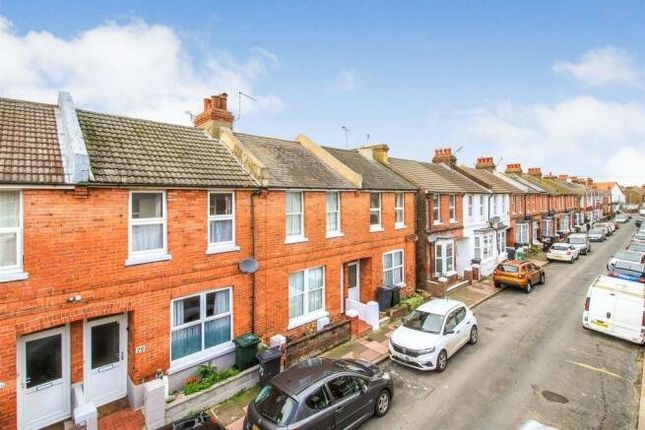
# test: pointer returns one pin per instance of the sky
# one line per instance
(553, 84)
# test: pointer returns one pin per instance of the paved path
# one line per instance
(534, 361)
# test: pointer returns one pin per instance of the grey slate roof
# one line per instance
(498, 185)
(436, 178)
(29, 148)
(531, 187)
(375, 175)
(290, 165)
(128, 151)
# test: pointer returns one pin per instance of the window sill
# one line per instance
(295, 239)
(376, 228)
(453, 221)
(334, 234)
(399, 226)
(14, 276)
(221, 249)
(200, 357)
(144, 259)
(297, 322)
(437, 223)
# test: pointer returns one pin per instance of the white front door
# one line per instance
(44, 395)
(105, 359)
(354, 269)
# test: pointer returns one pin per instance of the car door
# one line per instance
(351, 404)
(318, 411)
(462, 329)
(533, 272)
(450, 335)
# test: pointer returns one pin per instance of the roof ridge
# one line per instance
(131, 118)
(9, 99)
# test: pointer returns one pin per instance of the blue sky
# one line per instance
(543, 83)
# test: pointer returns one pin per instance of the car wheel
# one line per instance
(528, 288)
(382, 403)
(571, 261)
(498, 285)
(542, 279)
(474, 335)
(442, 361)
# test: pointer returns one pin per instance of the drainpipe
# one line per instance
(253, 281)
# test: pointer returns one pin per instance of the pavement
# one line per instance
(533, 361)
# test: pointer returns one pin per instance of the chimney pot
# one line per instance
(215, 115)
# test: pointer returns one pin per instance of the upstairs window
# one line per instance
(451, 207)
(294, 216)
(399, 210)
(10, 235)
(470, 206)
(481, 206)
(436, 208)
(148, 227)
(221, 220)
(333, 214)
(495, 205)
(375, 211)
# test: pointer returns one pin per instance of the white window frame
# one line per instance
(436, 208)
(402, 266)
(470, 205)
(218, 247)
(504, 205)
(151, 255)
(501, 241)
(443, 257)
(547, 227)
(295, 238)
(205, 354)
(16, 271)
(452, 208)
(399, 210)
(495, 205)
(481, 205)
(338, 232)
(521, 232)
(487, 245)
(379, 226)
(307, 315)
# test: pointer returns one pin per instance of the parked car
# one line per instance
(580, 241)
(596, 235)
(604, 227)
(432, 333)
(321, 393)
(622, 218)
(639, 236)
(638, 223)
(628, 271)
(628, 256)
(636, 246)
(522, 274)
(615, 307)
(562, 252)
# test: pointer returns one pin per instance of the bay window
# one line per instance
(333, 214)
(148, 228)
(11, 236)
(306, 295)
(221, 221)
(393, 268)
(201, 323)
(399, 210)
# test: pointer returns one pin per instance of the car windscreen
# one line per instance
(637, 246)
(628, 256)
(560, 248)
(424, 321)
(508, 268)
(595, 231)
(577, 240)
(275, 405)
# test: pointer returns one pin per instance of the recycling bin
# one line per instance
(269, 364)
(246, 348)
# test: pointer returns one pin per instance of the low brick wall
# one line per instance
(187, 405)
(317, 343)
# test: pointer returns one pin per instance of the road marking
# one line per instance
(586, 366)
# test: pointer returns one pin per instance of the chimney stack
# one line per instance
(535, 171)
(515, 168)
(444, 155)
(215, 115)
(485, 163)
(377, 152)
(589, 181)
(563, 178)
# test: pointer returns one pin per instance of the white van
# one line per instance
(616, 307)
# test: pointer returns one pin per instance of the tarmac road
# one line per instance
(533, 361)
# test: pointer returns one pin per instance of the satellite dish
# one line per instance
(495, 220)
(249, 265)
(432, 238)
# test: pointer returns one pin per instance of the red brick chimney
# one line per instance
(563, 178)
(444, 155)
(589, 181)
(215, 115)
(513, 168)
(535, 171)
(485, 163)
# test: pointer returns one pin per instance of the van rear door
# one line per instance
(628, 317)
(602, 307)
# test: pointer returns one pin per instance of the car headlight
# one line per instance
(426, 351)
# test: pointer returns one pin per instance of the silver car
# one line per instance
(321, 393)
(580, 241)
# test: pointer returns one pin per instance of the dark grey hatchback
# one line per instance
(321, 393)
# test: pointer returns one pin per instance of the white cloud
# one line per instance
(133, 69)
(603, 67)
(348, 80)
(580, 136)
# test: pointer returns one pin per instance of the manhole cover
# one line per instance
(554, 397)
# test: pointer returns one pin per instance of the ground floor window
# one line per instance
(522, 233)
(444, 257)
(483, 246)
(201, 322)
(501, 241)
(548, 227)
(306, 292)
(393, 268)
